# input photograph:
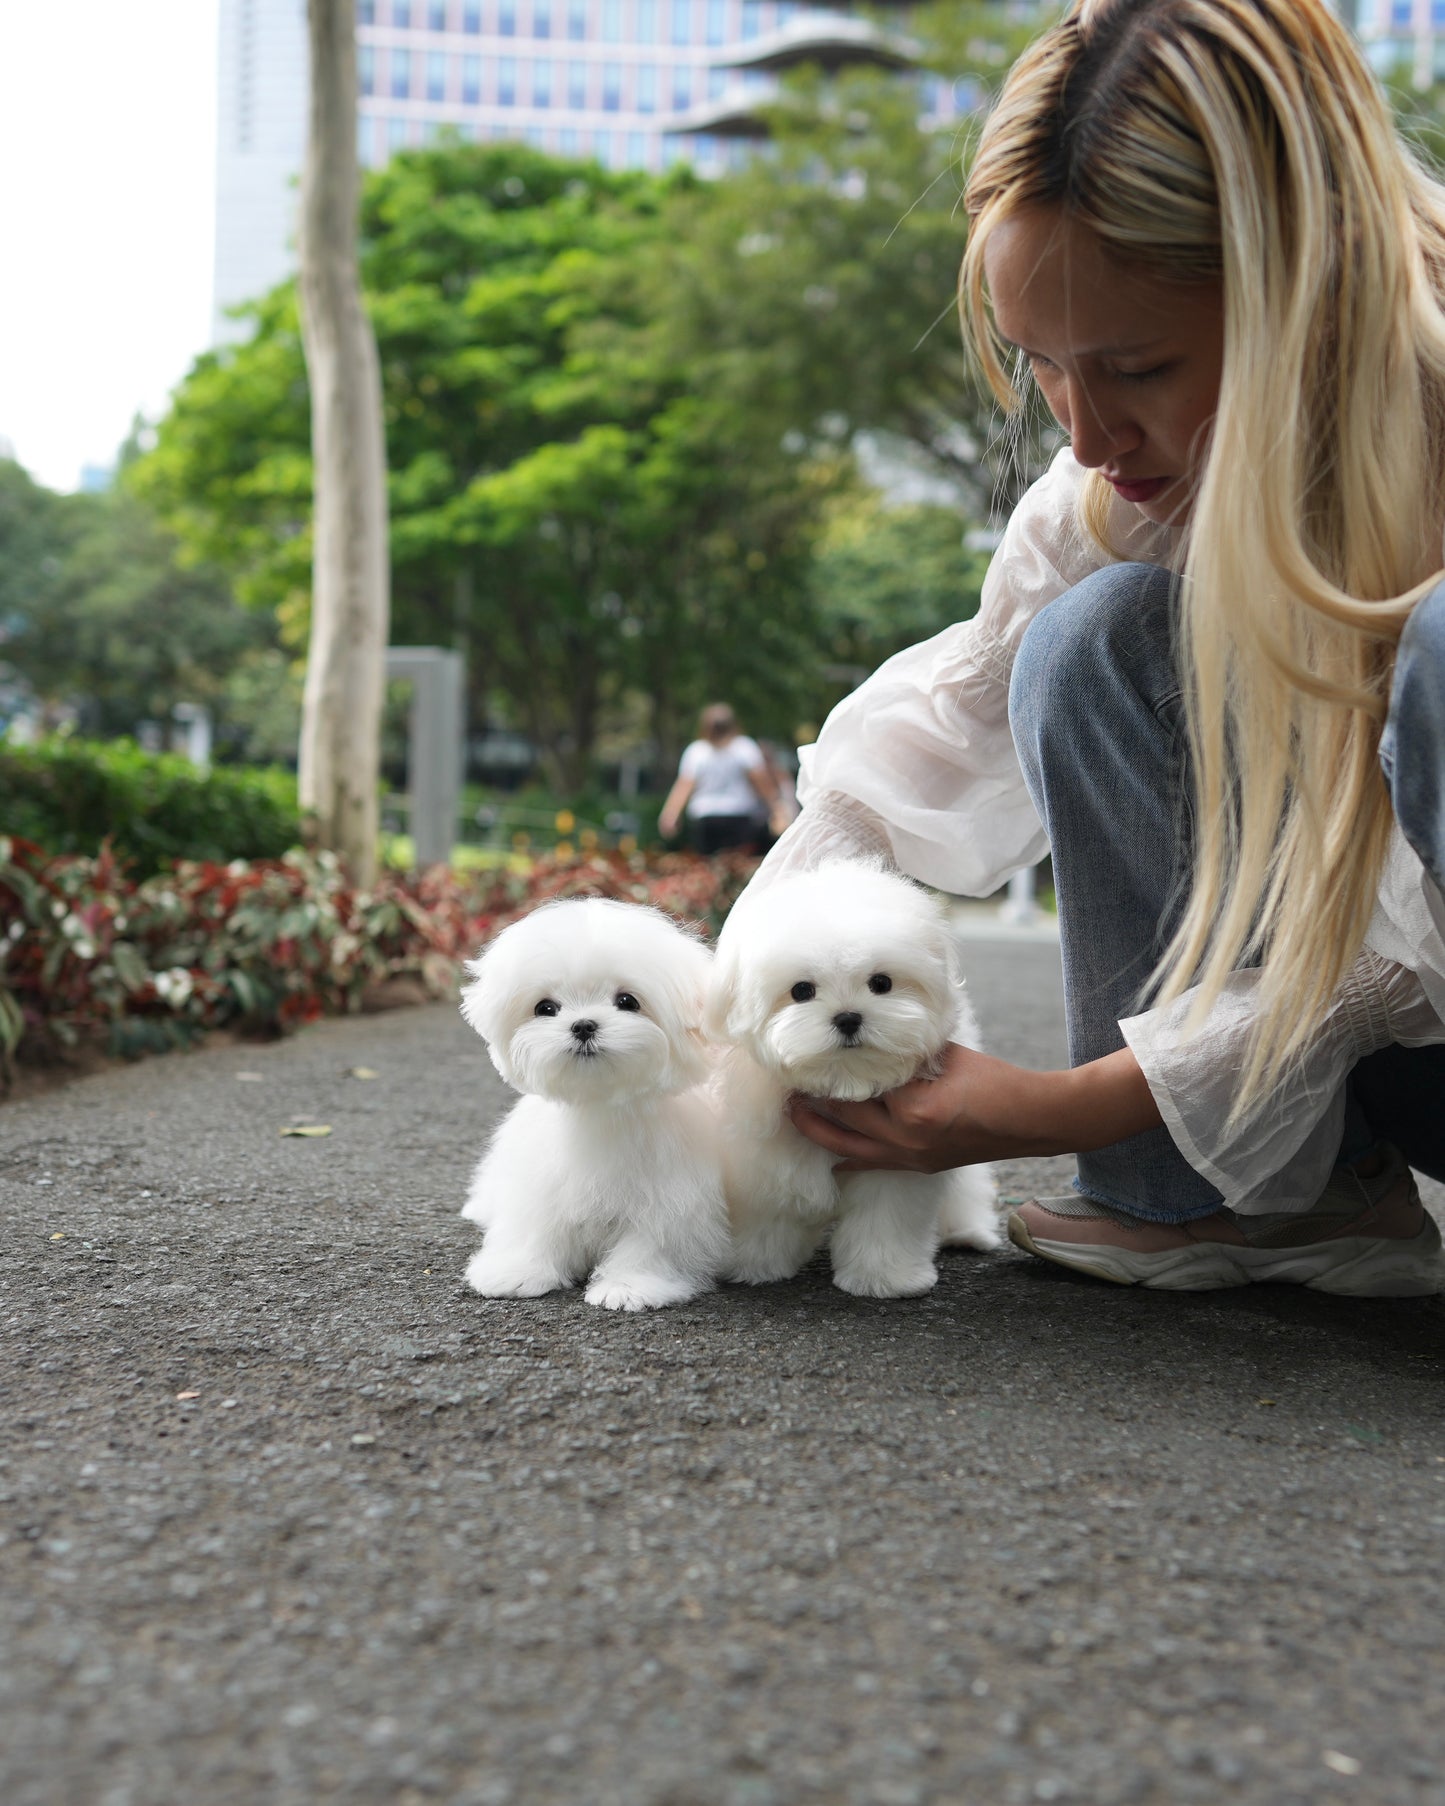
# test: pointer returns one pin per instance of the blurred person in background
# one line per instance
(722, 780)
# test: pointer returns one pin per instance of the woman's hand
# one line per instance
(979, 1108)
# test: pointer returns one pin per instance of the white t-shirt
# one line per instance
(918, 763)
(720, 776)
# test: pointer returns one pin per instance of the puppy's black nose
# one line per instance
(584, 1030)
(847, 1022)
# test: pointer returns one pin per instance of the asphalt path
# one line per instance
(287, 1516)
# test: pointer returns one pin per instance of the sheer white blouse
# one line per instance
(918, 763)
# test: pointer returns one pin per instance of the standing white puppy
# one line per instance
(609, 1165)
(840, 982)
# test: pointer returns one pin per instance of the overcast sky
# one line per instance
(107, 213)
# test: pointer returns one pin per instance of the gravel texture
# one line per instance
(286, 1516)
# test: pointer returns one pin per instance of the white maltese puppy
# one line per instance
(842, 983)
(609, 1165)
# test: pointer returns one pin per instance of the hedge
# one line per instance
(69, 796)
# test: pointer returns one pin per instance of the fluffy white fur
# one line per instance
(886, 999)
(609, 1165)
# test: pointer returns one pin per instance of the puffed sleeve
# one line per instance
(920, 758)
(1278, 1157)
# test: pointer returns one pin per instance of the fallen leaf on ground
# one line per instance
(308, 1128)
(362, 1072)
(181, 1395)
(251, 1078)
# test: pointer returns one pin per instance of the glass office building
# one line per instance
(610, 79)
(632, 83)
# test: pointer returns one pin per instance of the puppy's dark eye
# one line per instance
(879, 983)
(546, 1008)
(803, 992)
(626, 1001)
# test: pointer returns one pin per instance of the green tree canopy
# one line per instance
(100, 617)
(576, 521)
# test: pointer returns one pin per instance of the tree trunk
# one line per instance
(350, 593)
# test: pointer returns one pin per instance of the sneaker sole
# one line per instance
(1353, 1267)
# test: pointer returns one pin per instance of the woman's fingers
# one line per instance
(850, 1144)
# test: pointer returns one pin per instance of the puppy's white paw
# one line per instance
(982, 1233)
(887, 1282)
(639, 1291)
(759, 1271)
(498, 1277)
(968, 1217)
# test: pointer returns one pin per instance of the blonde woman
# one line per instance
(1209, 668)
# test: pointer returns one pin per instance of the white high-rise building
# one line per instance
(260, 142)
(1403, 34)
(632, 83)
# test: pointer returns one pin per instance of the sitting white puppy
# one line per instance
(609, 1164)
(843, 983)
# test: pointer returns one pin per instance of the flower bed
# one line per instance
(87, 952)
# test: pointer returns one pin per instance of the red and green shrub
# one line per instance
(87, 951)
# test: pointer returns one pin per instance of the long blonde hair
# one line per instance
(1245, 142)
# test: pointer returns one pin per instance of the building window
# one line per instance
(717, 80)
(436, 75)
(717, 21)
(401, 75)
(401, 14)
(1401, 11)
(577, 18)
(366, 12)
(646, 21)
(611, 87)
(637, 150)
(472, 18)
(536, 137)
(568, 141)
(366, 69)
(681, 88)
(611, 21)
(577, 85)
(507, 81)
(396, 134)
(542, 18)
(364, 136)
(646, 98)
(436, 15)
(602, 147)
(752, 18)
(682, 21)
(784, 12)
(471, 80)
(507, 18)
(541, 83)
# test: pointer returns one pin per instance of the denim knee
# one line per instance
(1112, 631)
(1412, 747)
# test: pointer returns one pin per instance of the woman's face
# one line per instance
(1128, 363)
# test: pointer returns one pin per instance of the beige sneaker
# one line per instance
(1365, 1238)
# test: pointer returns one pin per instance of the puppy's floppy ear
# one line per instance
(722, 993)
(484, 1001)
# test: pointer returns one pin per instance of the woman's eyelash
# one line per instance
(1038, 362)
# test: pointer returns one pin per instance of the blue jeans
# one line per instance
(1097, 716)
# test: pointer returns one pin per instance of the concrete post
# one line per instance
(195, 718)
(435, 745)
